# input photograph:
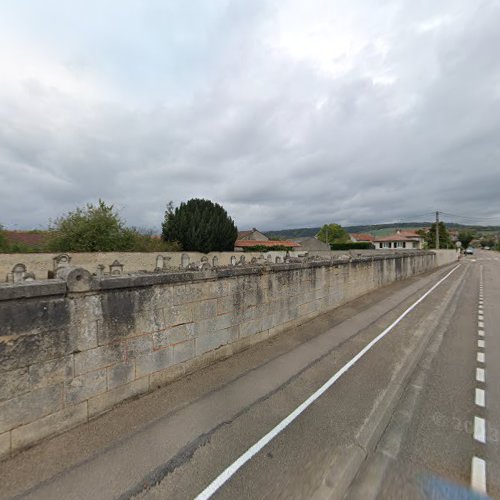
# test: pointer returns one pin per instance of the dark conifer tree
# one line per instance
(200, 226)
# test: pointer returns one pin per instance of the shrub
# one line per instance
(262, 248)
(91, 229)
(354, 245)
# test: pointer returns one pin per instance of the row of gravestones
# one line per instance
(20, 273)
(204, 264)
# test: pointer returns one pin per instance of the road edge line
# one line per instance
(225, 475)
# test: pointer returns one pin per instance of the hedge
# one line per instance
(354, 245)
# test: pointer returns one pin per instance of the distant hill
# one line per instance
(376, 229)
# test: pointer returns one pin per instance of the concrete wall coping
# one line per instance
(61, 286)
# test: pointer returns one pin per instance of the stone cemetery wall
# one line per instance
(74, 346)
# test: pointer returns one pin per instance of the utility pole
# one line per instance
(437, 230)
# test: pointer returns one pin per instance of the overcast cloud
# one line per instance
(289, 113)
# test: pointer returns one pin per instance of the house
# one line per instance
(311, 244)
(254, 238)
(409, 240)
(240, 245)
(252, 234)
(359, 237)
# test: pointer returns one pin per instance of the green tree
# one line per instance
(465, 237)
(200, 226)
(4, 243)
(333, 233)
(444, 237)
(95, 228)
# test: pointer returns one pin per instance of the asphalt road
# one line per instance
(447, 438)
(176, 442)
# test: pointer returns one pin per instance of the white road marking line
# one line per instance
(480, 333)
(480, 317)
(478, 475)
(480, 374)
(480, 324)
(480, 429)
(480, 308)
(225, 475)
(480, 343)
(480, 357)
(480, 397)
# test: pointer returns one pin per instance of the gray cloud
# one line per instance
(355, 112)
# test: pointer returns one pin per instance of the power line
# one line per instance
(470, 217)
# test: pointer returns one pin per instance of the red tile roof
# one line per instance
(362, 237)
(244, 234)
(267, 243)
(26, 237)
(410, 233)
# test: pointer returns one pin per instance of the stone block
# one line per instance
(85, 386)
(183, 351)
(250, 327)
(5, 444)
(100, 357)
(121, 312)
(211, 289)
(205, 327)
(34, 316)
(149, 320)
(163, 296)
(226, 320)
(251, 340)
(267, 322)
(51, 372)
(184, 294)
(205, 309)
(85, 312)
(225, 304)
(179, 314)
(14, 383)
(120, 374)
(103, 402)
(138, 346)
(209, 342)
(29, 407)
(156, 361)
(20, 351)
(174, 372)
(50, 425)
(174, 335)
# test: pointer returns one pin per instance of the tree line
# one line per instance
(196, 225)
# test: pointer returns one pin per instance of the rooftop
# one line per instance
(266, 243)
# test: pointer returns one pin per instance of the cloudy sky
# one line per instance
(290, 113)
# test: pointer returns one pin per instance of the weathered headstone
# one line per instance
(115, 269)
(18, 273)
(100, 270)
(61, 260)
